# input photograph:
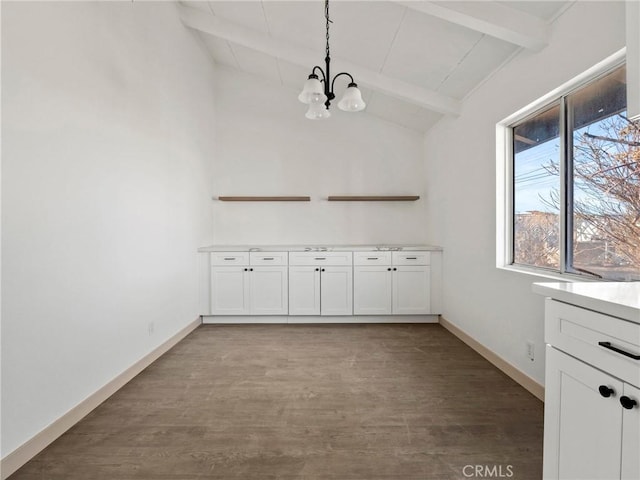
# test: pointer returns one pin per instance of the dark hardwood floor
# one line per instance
(307, 402)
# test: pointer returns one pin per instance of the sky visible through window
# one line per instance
(534, 183)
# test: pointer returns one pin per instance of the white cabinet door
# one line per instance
(268, 287)
(336, 291)
(631, 436)
(583, 428)
(229, 291)
(372, 290)
(411, 290)
(304, 291)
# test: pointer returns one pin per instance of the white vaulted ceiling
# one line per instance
(414, 61)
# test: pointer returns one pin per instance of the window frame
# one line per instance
(505, 190)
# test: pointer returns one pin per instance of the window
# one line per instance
(573, 182)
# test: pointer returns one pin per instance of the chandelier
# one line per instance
(318, 97)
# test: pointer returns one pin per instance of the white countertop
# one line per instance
(319, 248)
(619, 299)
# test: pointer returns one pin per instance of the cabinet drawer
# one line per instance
(229, 258)
(411, 258)
(269, 258)
(606, 342)
(372, 258)
(320, 258)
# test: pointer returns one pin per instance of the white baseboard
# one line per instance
(295, 319)
(517, 375)
(25, 452)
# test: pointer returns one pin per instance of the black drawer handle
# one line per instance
(608, 346)
(627, 402)
(372, 258)
(320, 258)
(411, 258)
(229, 258)
(267, 258)
(606, 391)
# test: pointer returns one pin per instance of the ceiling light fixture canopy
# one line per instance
(319, 97)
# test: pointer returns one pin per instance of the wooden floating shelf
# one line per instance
(265, 199)
(373, 198)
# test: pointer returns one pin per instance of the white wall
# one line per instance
(267, 147)
(107, 126)
(497, 307)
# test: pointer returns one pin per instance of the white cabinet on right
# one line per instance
(592, 395)
(592, 429)
(396, 283)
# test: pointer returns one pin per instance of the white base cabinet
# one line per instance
(592, 395)
(229, 291)
(398, 284)
(268, 290)
(379, 284)
(321, 288)
(304, 290)
(583, 429)
(372, 290)
(411, 290)
(249, 286)
(336, 285)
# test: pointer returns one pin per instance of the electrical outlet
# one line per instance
(531, 350)
(151, 328)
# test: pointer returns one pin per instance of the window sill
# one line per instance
(562, 277)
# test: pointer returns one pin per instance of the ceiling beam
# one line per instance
(212, 25)
(490, 18)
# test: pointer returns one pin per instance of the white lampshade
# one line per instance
(312, 91)
(317, 111)
(316, 98)
(352, 101)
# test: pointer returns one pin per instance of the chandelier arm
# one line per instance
(341, 73)
(324, 78)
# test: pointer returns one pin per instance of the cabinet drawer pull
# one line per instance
(606, 391)
(229, 258)
(372, 258)
(320, 258)
(267, 258)
(411, 258)
(608, 346)
(627, 402)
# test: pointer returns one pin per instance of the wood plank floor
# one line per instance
(306, 402)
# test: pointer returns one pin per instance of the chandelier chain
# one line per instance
(326, 15)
